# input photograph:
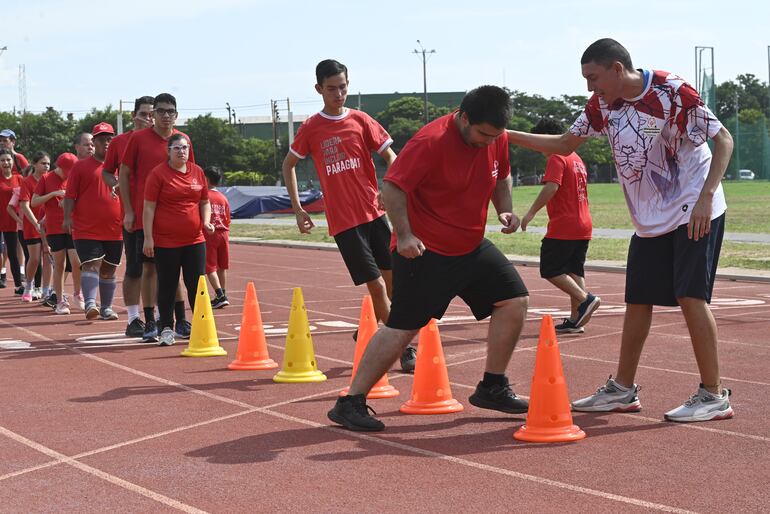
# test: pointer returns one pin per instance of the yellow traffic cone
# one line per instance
(203, 337)
(299, 363)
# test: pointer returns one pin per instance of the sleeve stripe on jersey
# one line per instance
(385, 145)
(297, 154)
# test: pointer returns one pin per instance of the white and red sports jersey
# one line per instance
(657, 142)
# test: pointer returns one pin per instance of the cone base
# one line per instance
(253, 365)
(290, 377)
(549, 435)
(216, 351)
(442, 407)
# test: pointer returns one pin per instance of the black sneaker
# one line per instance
(135, 328)
(585, 309)
(498, 397)
(219, 302)
(355, 336)
(408, 359)
(51, 301)
(352, 412)
(19, 290)
(182, 329)
(567, 326)
(2, 281)
(150, 331)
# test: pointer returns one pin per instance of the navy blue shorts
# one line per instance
(663, 268)
(424, 287)
(365, 249)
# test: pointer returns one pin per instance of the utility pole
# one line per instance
(423, 51)
(22, 88)
(229, 113)
(737, 139)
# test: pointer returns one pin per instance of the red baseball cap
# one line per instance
(102, 128)
(66, 161)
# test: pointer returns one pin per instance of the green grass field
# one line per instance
(748, 211)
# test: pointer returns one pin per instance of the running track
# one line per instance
(91, 421)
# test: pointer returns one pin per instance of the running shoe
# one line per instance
(135, 328)
(51, 301)
(26, 296)
(19, 291)
(166, 337)
(586, 309)
(352, 412)
(63, 307)
(3, 285)
(80, 300)
(498, 397)
(92, 311)
(182, 329)
(568, 327)
(37, 294)
(106, 313)
(219, 302)
(150, 331)
(408, 359)
(611, 397)
(703, 406)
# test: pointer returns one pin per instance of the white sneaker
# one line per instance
(37, 294)
(62, 307)
(81, 301)
(166, 337)
(611, 397)
(703, 406)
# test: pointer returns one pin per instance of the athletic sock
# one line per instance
(89, 284)
(492, 379)
(133, 312)
(107, 287)
(149, 314)
(179, 311)
(22, 270)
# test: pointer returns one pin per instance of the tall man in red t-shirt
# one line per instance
(437, 194)
(564, 247)
(341, 141)
(147, 149)
(132, 281)
(92, 215)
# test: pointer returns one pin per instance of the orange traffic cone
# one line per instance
(252, 346)
(549, 419)
(430, 391)
(367, 326)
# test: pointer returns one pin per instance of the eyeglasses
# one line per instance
(163, 112)
(145, 115)
(180, 148)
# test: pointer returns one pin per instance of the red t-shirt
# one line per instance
(28, 187)
(96, 214)
(145, 150)
(8, 186)
(54, 213)
(177, 198)
(22, 163)
(448, 185)
(220, 210)
(568, 213)
(341, 148)
(115, 152)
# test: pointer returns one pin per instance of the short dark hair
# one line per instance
(144, 100)
(329, 68)
(487, 104)
(5, 151)
(177, 136)
(605, 52)
(79, 137)
(548, 126)
(214, 174)
(166, 98)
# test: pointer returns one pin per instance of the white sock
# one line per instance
(22, 271)
(3, 270)
(133, 312)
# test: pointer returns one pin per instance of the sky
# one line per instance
(79, 55)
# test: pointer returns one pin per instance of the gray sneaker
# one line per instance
(166, 337)
(107, 313)
(703, 406)
(408, 359)
(610, 398)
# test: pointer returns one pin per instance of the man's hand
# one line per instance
(67, 225)
(209, 227)
(149, 246)
(700, 219)
(525, 220)
(409, 246)
(509, 221)
(128, 221)
(304, 223)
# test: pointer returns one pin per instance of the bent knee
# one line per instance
(515, 305)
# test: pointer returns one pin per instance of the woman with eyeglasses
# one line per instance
(176, 211)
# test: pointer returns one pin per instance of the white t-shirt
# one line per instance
(657, 142)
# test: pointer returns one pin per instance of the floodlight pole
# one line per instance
(423, 51)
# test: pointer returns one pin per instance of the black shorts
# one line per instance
(59, 242)
(562, 257)
(92, 250)
(33, 241)
(663, 268)
(135, 257)
(424, 287)
(366, 250)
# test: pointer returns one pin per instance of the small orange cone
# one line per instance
(367, 326)
(431, 393)
(252, 346)
(549, 419)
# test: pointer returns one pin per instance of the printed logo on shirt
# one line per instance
(496, 169)
(651, 129)
(335, 160)
(195, 186)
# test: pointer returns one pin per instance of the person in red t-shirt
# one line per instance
(92, 215)
(10, 185)
(132, 281)
(147, 149)
(49, 193)
(341, 142)
(564, 247)
(217, 243)
(8, 140)
(437, 194)
(176, 211)
(38, 269)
